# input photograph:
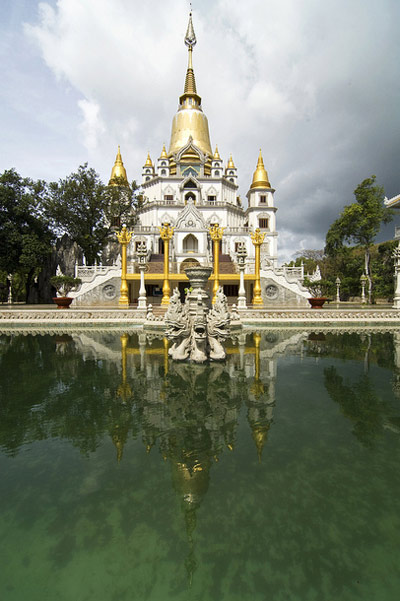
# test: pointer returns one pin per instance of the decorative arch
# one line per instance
(190, 244)
(188, 263)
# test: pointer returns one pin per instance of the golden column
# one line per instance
(258, 239)
(124, 237)
(166, 233)
(216, 236)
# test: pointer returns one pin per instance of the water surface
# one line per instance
(271, 476)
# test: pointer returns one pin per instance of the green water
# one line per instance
(272, 476)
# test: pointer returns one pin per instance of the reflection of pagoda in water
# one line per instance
(191, 411)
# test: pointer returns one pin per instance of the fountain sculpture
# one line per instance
(196, 329)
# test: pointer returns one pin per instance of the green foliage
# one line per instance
(359, 223)
(64, 283)
(319, 288)
(83, 207)
(25, 235)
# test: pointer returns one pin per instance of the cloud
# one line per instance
(314, 84)
(92, 125)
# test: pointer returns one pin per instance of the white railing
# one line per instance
(292, 273)
(145, 229)
(87, 273)
(240, 230)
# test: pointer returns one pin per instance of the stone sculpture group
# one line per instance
(196, 331)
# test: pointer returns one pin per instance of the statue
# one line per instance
(197, 332)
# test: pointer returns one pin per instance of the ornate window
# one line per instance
(263, 199)
(190, 196)
(263, 223)
(190, 244)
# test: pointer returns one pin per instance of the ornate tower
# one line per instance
(261, 211)
(189, 125)
(118, 172)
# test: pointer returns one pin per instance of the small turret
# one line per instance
(148, 169)
(231, 171)
(260, 177)
(118, 172)
(163, 163)
(216, 164)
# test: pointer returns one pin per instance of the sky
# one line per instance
(314, 84)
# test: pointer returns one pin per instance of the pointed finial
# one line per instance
(118, 171)
(260, 177)
(231, 164)
(216, 154)
(163, 153)
(148, 162)
(190, 37)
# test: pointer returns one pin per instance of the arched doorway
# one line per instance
(188, 263)
(190, 244)
(190, 196)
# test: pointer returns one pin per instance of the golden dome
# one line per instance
(163, 153)
(231, 164)
(190, 121)
(260, 177)
(148, 162)
(216, 156)
(118, 171)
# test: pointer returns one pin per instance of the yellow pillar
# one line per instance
(124, 237)
(258, 239)
(166, 233)
(216, 233)
(166, 345)
(124, 390)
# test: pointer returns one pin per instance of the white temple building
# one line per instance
(191, 188)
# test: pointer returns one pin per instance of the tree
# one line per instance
(359, 223)
(84, 208)
(25, 235)
(122, 202)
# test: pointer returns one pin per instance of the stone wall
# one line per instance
(274, 294)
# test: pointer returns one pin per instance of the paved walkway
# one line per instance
(342, 315)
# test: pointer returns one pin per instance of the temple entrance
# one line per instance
(188, 263)
(190, 244)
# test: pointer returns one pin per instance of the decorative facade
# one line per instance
(190, 189)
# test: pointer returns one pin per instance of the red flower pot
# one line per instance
(317, 302)
(63, 302)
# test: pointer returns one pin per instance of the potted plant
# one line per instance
(319, 289)
(64, 284)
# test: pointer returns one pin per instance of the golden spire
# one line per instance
(190, 121)
(148, 162)
(231, 164)
(164, 153)
(216, 154)
(118, 171)
(260, 177)
(190, 82)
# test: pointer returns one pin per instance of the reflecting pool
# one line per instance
(273, 475)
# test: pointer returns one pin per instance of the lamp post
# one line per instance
(124, 237)
(396, 257)
(166, 233)
(9, 299)
(216, 233)
(338, 282)
(257, 238)
(363, 280)
(241, 260)
(141, 252)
